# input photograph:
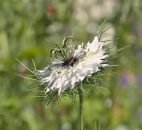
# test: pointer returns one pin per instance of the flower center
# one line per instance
(70, 62)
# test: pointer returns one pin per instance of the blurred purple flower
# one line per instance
(126, 78)
(139, 79)
(139, 54)
(139, 114)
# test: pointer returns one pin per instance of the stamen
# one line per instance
(70, 62)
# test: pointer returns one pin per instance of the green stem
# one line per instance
(80, 107)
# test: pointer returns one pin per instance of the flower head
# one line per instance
(71, 63)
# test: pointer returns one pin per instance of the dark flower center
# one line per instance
(70, 62)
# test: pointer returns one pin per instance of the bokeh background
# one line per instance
(30, 28)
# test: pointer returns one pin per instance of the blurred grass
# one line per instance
(29, 29)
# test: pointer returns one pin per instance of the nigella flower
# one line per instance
(71, 64)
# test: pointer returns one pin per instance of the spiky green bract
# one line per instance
(63, 52)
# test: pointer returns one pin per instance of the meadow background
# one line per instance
(30, 28)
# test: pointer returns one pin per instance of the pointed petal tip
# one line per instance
(96, 39)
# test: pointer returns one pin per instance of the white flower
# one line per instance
(63, 73)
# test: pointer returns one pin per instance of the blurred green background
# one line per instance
(30, 28)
